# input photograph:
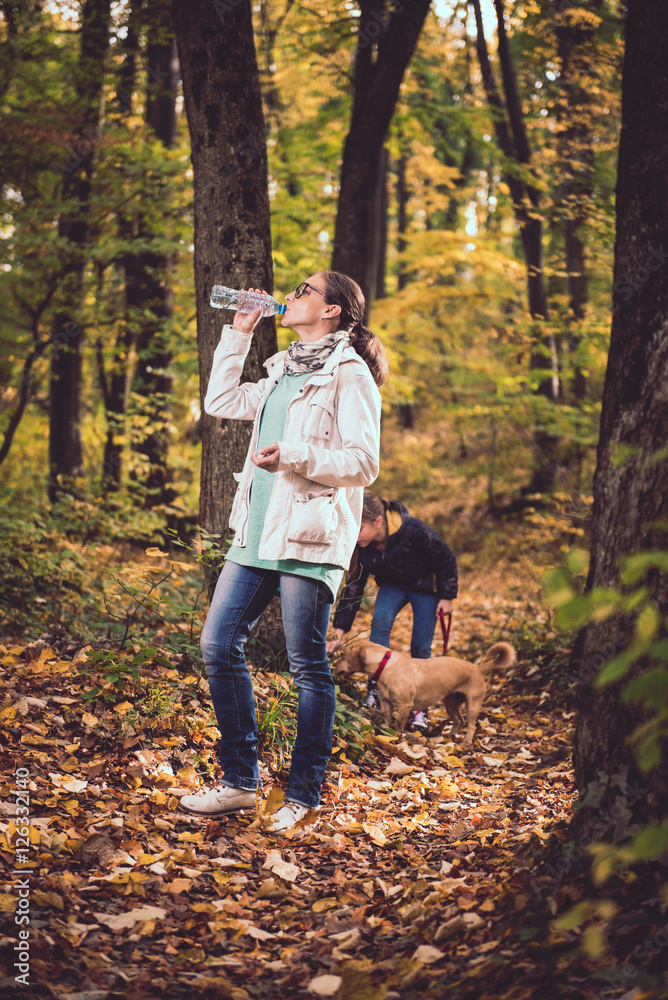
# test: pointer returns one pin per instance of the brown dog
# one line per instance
(406, 683)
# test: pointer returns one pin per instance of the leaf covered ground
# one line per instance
(425, 875)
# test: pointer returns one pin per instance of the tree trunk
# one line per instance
(514, 145)
(150, 296)
(127, 73)
(8, 49)
(386, 39)
(65, 450)
(232, 233)
(631, 480)
(576, 50)
(118, 382)
(380, 227)
(402, 223)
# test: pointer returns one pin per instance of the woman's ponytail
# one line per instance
(370, 348)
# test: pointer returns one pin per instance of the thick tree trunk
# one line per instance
(232, 235)
(65, 449)
(631, 480)
(388, 33)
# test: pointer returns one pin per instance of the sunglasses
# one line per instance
(301, 289)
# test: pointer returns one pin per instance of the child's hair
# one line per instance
(343, 291)
(373, 506)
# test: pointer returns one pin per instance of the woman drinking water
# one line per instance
(296, 518)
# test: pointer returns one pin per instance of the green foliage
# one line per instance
(458, 332)
(277, 722)
(43, 575)
(642, 667)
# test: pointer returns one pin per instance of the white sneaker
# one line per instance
(287, 816)
(417, 720)
(372, 700)
(218, 801)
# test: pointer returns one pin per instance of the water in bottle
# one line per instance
(245, 302)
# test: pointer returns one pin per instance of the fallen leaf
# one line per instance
(462, 922)
(120, 921)
(397, 766)
(123, 708)
(259, 933)
(325, 986)
(427, 954)
(326, 903)
(69, 784)
(345, 940)
(284, 869)
(376, 834)
(179, 885)
(452, 761)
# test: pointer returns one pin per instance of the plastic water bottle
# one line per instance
(245, 302)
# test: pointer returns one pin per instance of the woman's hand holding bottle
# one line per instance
(246, 322)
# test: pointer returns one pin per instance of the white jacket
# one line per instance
(328, 455)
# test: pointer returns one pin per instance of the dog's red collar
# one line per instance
(383, 664)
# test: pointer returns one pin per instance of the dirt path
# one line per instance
(405, 886)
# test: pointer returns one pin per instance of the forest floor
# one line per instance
(430, 870)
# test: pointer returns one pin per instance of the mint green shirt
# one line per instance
(272, 425)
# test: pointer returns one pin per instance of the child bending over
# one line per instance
(411, 564)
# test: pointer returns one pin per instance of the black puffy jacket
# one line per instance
(415, 557)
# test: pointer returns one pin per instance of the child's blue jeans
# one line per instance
(389, 602)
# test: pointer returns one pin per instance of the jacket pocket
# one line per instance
(320, 420)
(313, 517)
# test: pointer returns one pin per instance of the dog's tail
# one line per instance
(501, 654)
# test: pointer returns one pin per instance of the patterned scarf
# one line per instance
(302, 358)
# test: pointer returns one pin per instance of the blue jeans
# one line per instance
(242, 593)
(389, 602)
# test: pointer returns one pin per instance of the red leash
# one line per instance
(446, 631)
(383, 664)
